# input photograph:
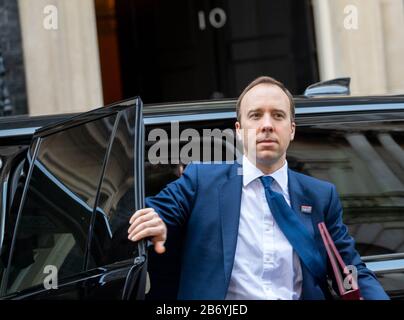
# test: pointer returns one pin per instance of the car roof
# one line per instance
(25, 125)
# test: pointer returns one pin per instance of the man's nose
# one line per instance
(267, 124)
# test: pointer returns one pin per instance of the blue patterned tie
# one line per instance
(294, 230)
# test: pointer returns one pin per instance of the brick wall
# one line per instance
(11, 49)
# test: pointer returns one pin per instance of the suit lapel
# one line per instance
(299, 199)
(229, 206)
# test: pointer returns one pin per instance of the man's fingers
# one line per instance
(149, 232)
(139, 213)
(143, 226)
(147, 223)
(141, 219)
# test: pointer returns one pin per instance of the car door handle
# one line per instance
(135, 282)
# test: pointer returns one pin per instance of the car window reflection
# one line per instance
(55, 219)
(366, 163)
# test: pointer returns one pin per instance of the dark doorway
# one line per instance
(109, 50)
(190, 50)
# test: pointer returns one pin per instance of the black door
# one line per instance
(190, 50)
(69, 236)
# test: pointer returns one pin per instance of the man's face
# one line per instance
(265, 118)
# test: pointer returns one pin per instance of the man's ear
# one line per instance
(238, 130)
(292, 134)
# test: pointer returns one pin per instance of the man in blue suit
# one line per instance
(249, 231)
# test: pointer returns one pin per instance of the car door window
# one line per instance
(213, 141)
(9, 172)
(53, 225)
(116, 201)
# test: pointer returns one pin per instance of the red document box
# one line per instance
(339, 268)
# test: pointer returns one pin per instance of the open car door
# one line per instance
(66, 234)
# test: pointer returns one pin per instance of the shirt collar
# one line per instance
(251, 172)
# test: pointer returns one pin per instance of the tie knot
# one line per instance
(267, 181)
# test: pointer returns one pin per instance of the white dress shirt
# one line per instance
(265, 264)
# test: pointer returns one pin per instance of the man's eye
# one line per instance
(278, 116)
(254, 115)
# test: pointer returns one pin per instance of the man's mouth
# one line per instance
(266, 141)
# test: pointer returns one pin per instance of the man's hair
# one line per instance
(270, 81)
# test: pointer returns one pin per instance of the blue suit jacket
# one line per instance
(204, 203)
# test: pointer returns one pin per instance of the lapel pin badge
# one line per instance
(305, 209)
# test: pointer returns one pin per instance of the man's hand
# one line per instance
(147, 223)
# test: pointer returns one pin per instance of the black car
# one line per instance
(69, 189)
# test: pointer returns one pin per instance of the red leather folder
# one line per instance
(339, 268)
